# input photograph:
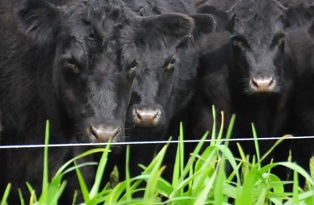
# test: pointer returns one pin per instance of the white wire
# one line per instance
(146, 142)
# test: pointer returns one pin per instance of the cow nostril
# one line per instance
(93, 131)
(271, 81)
(147, 117)
(118, 131)
(103, 133)
(157, 113)
(263, 84)
(254, 83)
(138, 114)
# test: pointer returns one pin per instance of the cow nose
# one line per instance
(102, 132)
(263, 84)
(146, 117)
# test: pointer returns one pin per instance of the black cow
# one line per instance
(61, 64)
(261, 75)
(166, 71)
(249, 73)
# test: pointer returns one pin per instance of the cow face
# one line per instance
(160, 47)
(89, 83)
(258, 43)
(151, 46)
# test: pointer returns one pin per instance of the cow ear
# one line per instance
(204, 24)
(231, 24)
(221, 18)
(169, 28)
(40, 20)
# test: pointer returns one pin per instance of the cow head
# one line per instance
(153, 47)
(90, 85)
(258, 43)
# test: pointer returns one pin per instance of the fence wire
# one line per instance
(25, 146)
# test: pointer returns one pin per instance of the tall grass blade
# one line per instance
(257, 150)
(100, 171)
(65, 167)
(21, 197)
(45, 169)
(155, 171)
(273, 147)
(246, 197)
(84, 189)
(230, 128)
(31, 190)
(127, 175)
(6, 194)
(295, 195)
(213, 137)
(220, 182)
(179, 159)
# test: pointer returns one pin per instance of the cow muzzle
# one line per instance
(146, 117)
(263, 84)
(103, 132)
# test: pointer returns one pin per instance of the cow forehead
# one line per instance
(82, 18)
(258, 20)
(257, 32)
(146, 57)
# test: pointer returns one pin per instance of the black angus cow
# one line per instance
(248, 72)
(166, 71)
(260, 73)
(149, 44)
(61, 64)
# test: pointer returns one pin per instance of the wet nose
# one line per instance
(146, 117)
(103, 132)
(263, 84)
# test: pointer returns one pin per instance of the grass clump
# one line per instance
(200, 179)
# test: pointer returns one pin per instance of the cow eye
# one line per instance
(84, 20)
(239, 44)
(92, 36)
(132, 69)
(73, 67)
(278, 40)
(170, 66)
(240, 41)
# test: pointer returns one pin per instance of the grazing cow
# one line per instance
(250, 74)
(61, 64)
(166, 71)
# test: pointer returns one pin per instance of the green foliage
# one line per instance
(200, 179)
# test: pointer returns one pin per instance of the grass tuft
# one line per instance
(201, 179)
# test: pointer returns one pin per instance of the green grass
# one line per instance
(202, 180)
